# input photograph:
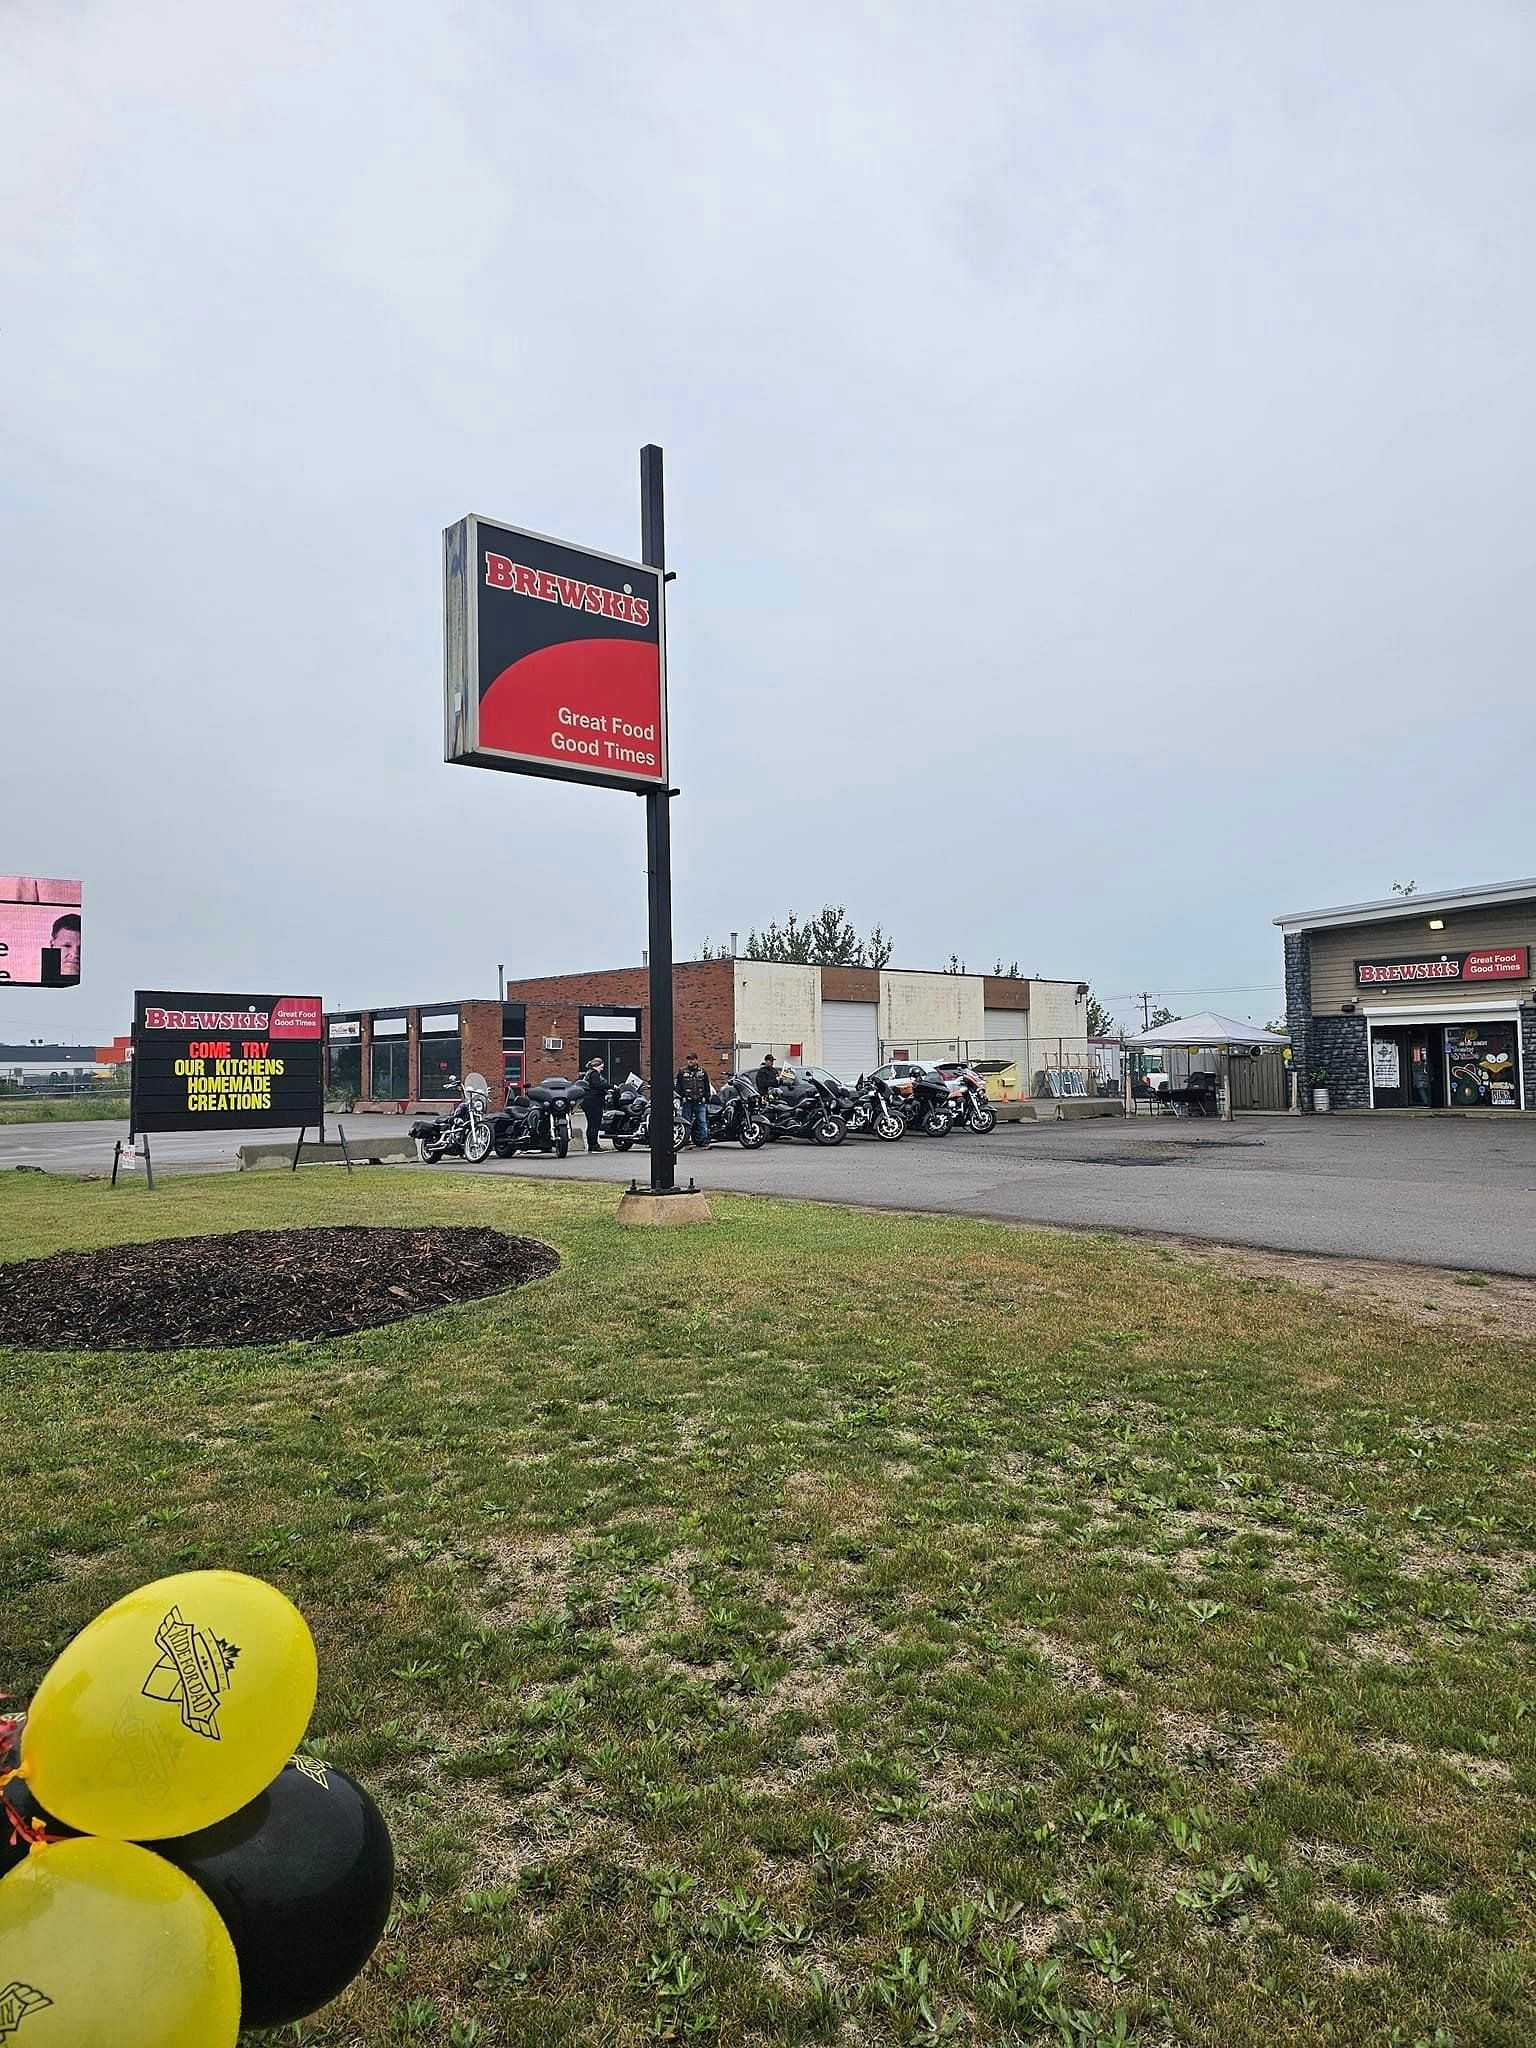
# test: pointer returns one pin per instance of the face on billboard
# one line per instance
(555, 659)
(39, 932)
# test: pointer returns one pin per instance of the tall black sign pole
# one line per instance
(658, 840)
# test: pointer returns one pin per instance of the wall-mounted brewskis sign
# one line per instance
(1488, 963)
(212, 1062)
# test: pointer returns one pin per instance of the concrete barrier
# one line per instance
(1059, 1110)
(369, 1149)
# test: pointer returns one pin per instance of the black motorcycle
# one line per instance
(925, 1105)
(735, 1114)
(973, 1108)
(463, 1132)
(537, 1119)
(627, 1120)
(874, 1110)
(625, 1111)
(802, 1108)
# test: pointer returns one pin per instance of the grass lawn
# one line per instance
(827, 1626)
(66, 1109)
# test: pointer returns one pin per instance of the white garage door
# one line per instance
(850, 1039)
(1007, 1029)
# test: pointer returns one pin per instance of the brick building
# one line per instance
(1417, 1003)
(728, 1011)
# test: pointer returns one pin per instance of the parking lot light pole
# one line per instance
(658, 841)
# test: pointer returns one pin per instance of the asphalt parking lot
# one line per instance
(1445, 1191)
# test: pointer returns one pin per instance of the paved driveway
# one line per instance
(1452, 1191)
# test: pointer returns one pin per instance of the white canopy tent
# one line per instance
(1210, 1032)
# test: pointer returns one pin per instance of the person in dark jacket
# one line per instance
(594, 1094)
(693, 1093)
(768, 1075)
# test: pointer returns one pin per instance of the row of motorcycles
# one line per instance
(536, 1119)
(808, 1104)
(811, 1103)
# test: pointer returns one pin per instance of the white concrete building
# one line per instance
(850, 1019)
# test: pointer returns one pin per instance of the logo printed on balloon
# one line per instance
(312, 1769)
(18, 2002)
(193, 1670)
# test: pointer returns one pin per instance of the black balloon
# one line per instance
(302, 1878)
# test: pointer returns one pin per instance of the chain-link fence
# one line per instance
(1032, 1067)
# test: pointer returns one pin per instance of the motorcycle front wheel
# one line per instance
(752, 1135)
(983, 1120)
(890, 1128)
(477, 1144)
(562, 1144)
(679, 1135)
(829, 1130)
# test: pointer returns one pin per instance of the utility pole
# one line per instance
(1144, 999)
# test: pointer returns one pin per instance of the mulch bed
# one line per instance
(255, 1286)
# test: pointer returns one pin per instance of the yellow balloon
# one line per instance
(173, 1709)
(103, 1945)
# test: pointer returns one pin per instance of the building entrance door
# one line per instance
(1426, 1069)
(1408, 1066)
(614, 1037)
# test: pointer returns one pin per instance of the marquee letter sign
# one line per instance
(211, 1063)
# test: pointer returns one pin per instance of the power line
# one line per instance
(1255, 988)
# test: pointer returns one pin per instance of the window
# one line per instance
(390, 1074)
(440, 1069)
(347, 1069)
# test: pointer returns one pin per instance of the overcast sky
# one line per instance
(1099, 447)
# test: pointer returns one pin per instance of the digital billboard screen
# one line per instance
(39, 932)
(555, 659)
(216, 1062)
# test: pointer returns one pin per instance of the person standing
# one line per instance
(693, 1093)
(594, 1097)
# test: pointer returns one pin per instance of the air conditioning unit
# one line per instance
(554, 1045)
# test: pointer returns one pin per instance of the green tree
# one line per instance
(1008, 973)
(825, 940)
(1100, 1022)
(1161, 1015)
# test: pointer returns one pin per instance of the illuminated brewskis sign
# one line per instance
(1491, 963)
(555, 659)
(214, 1062)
